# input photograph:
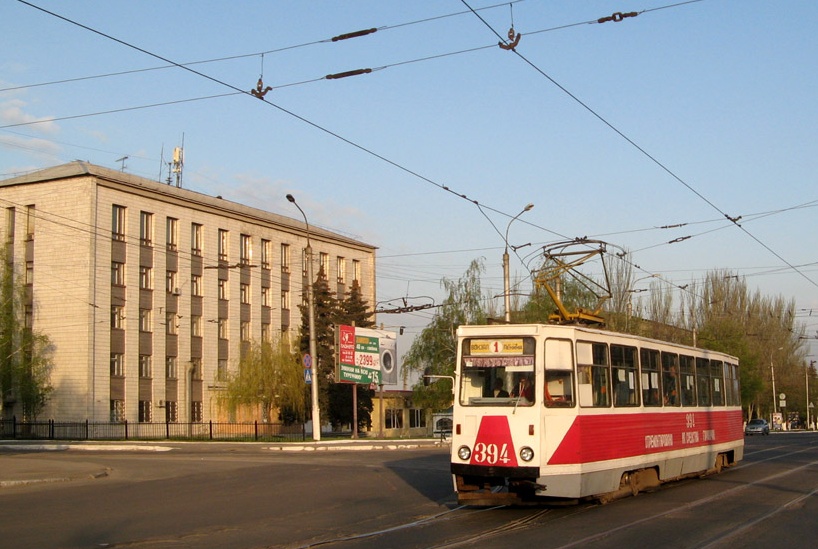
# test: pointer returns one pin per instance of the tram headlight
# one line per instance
(526, 453)
(464, 453)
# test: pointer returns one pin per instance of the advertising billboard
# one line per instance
(365, 356)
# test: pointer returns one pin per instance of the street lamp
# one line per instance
(506, 282)
(316, 415)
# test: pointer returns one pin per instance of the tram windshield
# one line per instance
(497, 372)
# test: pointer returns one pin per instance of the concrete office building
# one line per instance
(149, 291)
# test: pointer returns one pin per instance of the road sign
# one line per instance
(307, 360)
(308, 376)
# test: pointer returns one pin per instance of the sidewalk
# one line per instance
(20, 466)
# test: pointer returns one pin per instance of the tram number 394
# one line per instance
(491, 454)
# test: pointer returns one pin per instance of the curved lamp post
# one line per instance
(506, 283)
(316, 415)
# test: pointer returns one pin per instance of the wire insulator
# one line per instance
(355, 34)
(348, 73)
(617, 17)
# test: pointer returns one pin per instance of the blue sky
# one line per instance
(679, 116)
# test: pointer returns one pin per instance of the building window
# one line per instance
(146, 228)
(224, 240)
(29, 273)
(30, 216)
(221, 370)
(222, 328)
(172, 236)
(171, 411)
(285, 258)
(171, 367)
(266, 332)
(285, 300)
(171, 327)
(245, 331)
(266, 254)
(393, 418)
(145, 278)
(117, 317)
(171, 283)
(118, 223)
(246, 242)
(196, 239)
(223, 289)
(196, 285)
(196, 326)
(117, 273)
(265, 296)
(145, 366)
(196, 411)
(323, 259)
(356, 270)
(144, 411)
(117, 411)
(196, 368)
(245, 293)
(145, 318)
(417, 418)
(117, 365)
(342, 269)
(11, 214)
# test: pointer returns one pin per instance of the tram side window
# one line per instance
(717, 382)
(624, 375)
(593, 373)
(559, 373)
(733, 391)
(687, 371)
(670, 379)
(703, 381)
(651, 380)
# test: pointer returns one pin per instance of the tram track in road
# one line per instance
(457, 513)
(772, 478)
(724, 537)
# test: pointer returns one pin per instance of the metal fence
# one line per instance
(90, 430)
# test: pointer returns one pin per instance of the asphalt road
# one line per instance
(251, 496)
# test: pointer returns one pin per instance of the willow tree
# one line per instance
(25, 354)
(434, 350)
(269, 380)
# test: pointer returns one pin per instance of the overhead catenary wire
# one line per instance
(644, 152)
(238, 90)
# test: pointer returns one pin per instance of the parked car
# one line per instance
(757, 427)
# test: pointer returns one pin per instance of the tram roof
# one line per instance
(510, 330)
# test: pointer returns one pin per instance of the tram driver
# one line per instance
(524, 389)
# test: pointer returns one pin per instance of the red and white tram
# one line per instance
(606, 414)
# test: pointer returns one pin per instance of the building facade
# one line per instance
(150, 292)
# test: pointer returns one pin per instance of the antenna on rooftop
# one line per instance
(123, 159)
(177, 164)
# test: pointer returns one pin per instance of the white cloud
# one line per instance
(12, 112)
